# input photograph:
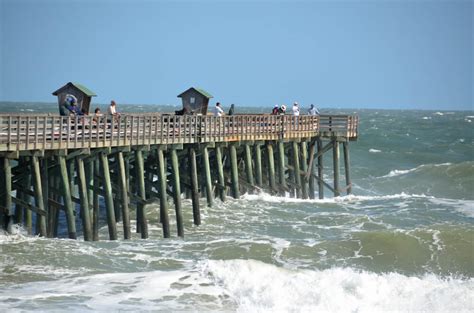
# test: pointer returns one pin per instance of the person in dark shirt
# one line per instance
(231, 110)
(275, 110)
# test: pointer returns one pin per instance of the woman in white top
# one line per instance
(296, 109)
(218, 110)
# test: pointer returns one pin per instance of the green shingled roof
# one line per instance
(201, 91)
(82, 88)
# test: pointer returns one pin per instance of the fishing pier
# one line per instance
(52, 165)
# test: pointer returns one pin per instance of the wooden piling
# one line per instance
(320, 169)
(271, 168)
(347, 169)
(68, 205)
(83, 195)
(220, 174)
(127, 234)
(281, 167)
(39, 201)
(335, 161)
(296, 166)
(109, 200)
(177, 192)
(258, 165)
(207, 171)
(234, 171)
(142, 224)
(304, 168)
(95, 201)
(163, 196)
(194, 186)
(7, 170)
(248, 166)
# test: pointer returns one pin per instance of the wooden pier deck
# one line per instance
(51, 164)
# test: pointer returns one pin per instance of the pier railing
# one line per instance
(46, 132)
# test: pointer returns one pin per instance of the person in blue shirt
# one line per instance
(312, 110)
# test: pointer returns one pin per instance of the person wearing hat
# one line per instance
(275, 110)
(296, 109)
(282, 109)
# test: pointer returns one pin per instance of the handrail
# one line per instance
(46, 132)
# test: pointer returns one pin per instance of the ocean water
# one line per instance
(403, 242)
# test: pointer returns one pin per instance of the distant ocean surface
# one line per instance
(404, 241)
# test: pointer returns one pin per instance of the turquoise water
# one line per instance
(403, 242)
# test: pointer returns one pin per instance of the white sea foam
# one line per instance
(394, 173)
(349, 198)
(374, 151)
(426, 117)
(438, 113)
(244, 286)
(260, 287)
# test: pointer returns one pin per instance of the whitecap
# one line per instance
(426, 118)
(374, 151)
(261, 287)
(438, 113)
(394, 173)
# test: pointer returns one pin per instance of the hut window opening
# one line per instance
(192, 100)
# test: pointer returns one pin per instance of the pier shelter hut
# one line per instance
(81, 92)
(195, 100)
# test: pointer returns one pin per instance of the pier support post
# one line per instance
(65, 184)
(271, 167)
(320, 170)
(39, 201)
(310, 171)
(258, 165)
(220, 174)
(207, 170)
(83, 195)
(163, 196)
(177, 192)
(234, 171)
(127, 234)
(95, 201)
(7, 172)
(45, 184)
(19, 209)
(194, 187)
(281, 167)
(335, 161)
(248, 166)
(296, 166)
(347, 167)
(304, 168)
(109, 200)
(142, 225)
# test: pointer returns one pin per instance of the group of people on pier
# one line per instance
(70, 108)
(277, 110)
(281, 110)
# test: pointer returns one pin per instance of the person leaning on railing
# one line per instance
(112, 111)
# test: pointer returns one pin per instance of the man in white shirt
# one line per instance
(218, 111)
(296, 109)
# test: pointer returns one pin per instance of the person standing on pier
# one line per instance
(282, 109)
(232, 109)
(275, 110)
(218, 111)
(312, 110)
(296, 109)
(112, 112)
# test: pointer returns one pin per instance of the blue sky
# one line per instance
(335, 54)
